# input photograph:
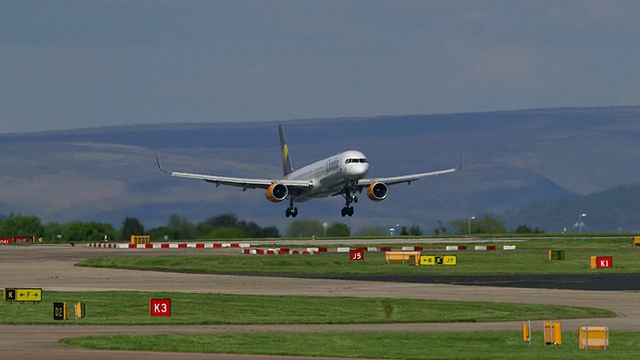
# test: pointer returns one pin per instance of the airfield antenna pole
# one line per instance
(580, 222)
(469, 228)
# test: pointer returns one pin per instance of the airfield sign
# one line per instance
(22, 294)
(160, 307)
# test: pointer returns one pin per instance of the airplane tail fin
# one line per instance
(286, 161)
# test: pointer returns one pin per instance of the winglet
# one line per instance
(461, 159)
(287, 168)
(160, 167)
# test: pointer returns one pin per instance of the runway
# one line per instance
(51, 268)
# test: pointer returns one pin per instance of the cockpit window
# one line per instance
(354, 160)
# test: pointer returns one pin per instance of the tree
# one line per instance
(131, 226)
(338, 230)
(372, 230)
(524, 229)
(19, 225)
(53, 232)
(414, 230)
(305, 228)
(227, 232)
(181, 228)
(226, 220)
(161, 233)
(441, 229)
(270, 232)
(92, 231)
(485, 225)
(230, 221)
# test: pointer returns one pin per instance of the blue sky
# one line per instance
(77, 64)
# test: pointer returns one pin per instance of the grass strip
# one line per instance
(379, 345)
(132, 308)
(470, 262)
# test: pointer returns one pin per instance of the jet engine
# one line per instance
(377, 191)
(277, 192)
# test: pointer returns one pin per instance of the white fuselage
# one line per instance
(331, 174)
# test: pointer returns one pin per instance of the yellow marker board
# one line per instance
(432, 260)
(22, 294)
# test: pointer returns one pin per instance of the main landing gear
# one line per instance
(291, 210)
(349, 198)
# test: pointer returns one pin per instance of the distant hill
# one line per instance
(512, 158)
(612, 210)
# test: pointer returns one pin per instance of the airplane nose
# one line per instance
(361, 169)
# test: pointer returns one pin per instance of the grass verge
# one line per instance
(379, 345)
(470, 262)
(132, 308)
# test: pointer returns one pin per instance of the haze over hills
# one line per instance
(512, 158)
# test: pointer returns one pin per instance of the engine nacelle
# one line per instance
(377, 191)
(277, 192)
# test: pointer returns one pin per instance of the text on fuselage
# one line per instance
(332, 166)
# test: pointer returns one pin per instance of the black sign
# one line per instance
(59, 311)
(9, 295)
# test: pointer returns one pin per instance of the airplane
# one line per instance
(341, 174)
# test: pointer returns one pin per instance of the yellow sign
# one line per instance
(140, 239)
(25, 294)
(79, 309)
(432, 260)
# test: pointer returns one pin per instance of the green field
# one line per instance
(529, 258)
(132, 308)
(387, 345)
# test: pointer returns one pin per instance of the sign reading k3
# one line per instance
(160, 307)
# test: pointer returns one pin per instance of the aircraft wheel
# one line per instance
(350, 212)
(294, 212)
(344, 211)
(288, 213)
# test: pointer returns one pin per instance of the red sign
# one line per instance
(356, 255)
(604, 262)
(6, 240)
(160, 307)
(21, 239)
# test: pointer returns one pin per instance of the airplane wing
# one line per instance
(245, 183)
(404, 178)
(407, 178)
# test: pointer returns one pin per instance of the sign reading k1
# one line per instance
(160, 307)
(604, 262)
